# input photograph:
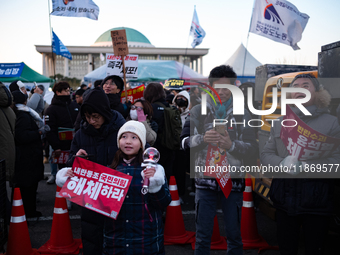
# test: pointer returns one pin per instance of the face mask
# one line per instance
(133, 114)
(181, 102)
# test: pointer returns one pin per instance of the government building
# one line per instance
(87, 58)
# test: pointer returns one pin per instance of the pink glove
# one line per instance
(141, 116)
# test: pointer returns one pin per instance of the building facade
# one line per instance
(87, 58)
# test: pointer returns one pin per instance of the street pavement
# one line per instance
(40, 229)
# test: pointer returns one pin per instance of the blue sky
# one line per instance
(165, 24)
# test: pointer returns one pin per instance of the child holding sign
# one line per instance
(139, 226)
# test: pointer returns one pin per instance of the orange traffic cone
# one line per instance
(61, 239)
(18, 237)
(250, 236)
(174, 230)
(218, 242)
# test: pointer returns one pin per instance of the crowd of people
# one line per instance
(115, 134)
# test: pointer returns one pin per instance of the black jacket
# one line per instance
(29, 168)
(61, 113)
(102, 144)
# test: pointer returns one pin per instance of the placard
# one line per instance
(114, 65)
(62, 159)
(133, 94)
(96, 187)
(119, 42)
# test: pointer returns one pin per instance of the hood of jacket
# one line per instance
(60, 100)
(186, 95)
(98, 100)
(6, 98)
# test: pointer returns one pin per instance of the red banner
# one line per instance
(133, 94)
(303, 141)
(217, 166)
(62, 159)
(96, 187)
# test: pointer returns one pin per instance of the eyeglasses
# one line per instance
(133, 107)
(95, 117)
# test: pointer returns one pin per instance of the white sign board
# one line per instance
(114, 65)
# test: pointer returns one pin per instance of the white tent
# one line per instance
(236, 62)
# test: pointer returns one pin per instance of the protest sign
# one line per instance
(62, 159)
(133, 94)
(96, 187)
(119, 42)
(65, 133)
(114, 65)
(304, 142)
(217, 166)
(176, 84)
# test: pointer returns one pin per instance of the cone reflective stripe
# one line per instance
(61, 239)
(250, 236)
(18, 237)
(174, 230)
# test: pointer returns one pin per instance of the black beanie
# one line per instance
(98, 101)
(18, 97)
(13, 86)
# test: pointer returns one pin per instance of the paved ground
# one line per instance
(40, 230)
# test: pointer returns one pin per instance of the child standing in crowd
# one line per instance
(139, 226)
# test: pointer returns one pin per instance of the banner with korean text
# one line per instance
(71, 8)
(217, 167)
(278, 20)
(133, 94)
(304, 142)
(114, 65)
(96, 187)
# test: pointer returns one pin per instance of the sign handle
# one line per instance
(124, 73)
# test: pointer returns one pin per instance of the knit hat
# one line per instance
(19, 97)
(135, 127)
(313, 79)
(42, 87)
(98, 101)
(16, 85)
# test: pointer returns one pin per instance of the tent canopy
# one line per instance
(151, 70)
(236, 62)
(27, 76)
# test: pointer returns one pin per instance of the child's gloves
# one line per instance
(61, 178)
(156, 181)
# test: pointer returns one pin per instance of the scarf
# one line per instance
(34, 114)
(221, 109)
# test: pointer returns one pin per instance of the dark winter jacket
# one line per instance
(102, 144)
(133, 232)
(29, 168)
(244, 143)
(62, 113)
(7, 130)
(115, 104)
(304, 195)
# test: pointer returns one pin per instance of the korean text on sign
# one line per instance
(96, 187)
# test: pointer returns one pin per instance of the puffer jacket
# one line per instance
(133, 232)
(244, 143)
(7, 131)
(304, 195)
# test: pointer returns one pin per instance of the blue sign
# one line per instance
(11, 70)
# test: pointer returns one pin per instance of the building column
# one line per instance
(66, 71)
(201, 62)
(196, 65)
(90, 63)
(45, 65)
(180, 59)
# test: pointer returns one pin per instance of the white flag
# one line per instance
(75, 8)
(279, 21)
(196, 31)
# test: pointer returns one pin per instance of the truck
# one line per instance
(270, 76)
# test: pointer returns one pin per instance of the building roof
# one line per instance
(134, 38)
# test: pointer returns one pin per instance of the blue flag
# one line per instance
(59, 48)
(196, 31)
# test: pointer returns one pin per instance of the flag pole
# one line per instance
(245, 52)
(49, 16)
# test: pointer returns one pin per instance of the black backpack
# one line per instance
(170, 136)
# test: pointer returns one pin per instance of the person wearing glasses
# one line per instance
(97, 139)
(142, 111)
(61, 113)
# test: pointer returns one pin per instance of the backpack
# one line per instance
(170, 136)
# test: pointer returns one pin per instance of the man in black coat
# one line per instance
(62, 113)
